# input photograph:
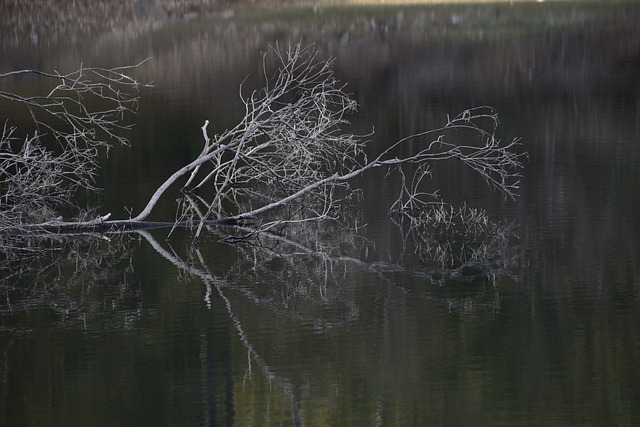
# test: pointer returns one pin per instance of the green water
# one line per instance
(344, 328)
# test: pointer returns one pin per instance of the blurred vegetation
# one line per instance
(45, 22)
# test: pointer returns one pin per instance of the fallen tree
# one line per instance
(287, 161)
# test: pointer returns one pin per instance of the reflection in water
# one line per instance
(331, 329)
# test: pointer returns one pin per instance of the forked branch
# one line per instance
(288, 160)
(289, 155)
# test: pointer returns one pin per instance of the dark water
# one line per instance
(341, 328)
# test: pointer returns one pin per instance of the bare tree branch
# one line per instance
(41, 172)
(288, 160)
(289, 153)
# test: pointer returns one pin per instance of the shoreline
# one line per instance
(38, 21)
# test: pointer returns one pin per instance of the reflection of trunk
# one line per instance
(213, 282)
(214, 357)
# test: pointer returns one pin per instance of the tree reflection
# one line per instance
(64, 279)
(308, 275)
(311, 281)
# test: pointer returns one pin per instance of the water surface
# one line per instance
(355, 328)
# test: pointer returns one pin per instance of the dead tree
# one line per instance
(287, 161)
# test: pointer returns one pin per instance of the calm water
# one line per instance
(354, 329)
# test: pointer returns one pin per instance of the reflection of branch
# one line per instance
(299, 275)
(210, 280)
(69, 281)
